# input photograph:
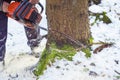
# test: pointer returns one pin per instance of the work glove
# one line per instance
(5, 6)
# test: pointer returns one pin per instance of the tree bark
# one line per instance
(69, 17)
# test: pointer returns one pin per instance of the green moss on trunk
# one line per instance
(52, 53)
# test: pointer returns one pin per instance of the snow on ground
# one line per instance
(104, 65)
(18, 67)
(18, 62)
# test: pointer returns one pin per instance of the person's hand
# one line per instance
(5, 6)
(34, 1)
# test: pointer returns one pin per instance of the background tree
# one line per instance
(68, 24)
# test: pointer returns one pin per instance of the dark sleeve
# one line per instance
(7, 1)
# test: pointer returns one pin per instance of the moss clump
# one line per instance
(104, 18)
(87, 52)
(50, 54)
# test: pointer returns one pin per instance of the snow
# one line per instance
(104, 65)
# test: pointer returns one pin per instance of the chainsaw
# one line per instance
(26, 13)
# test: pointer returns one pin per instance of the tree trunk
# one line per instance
(69, 17)
(67, 23)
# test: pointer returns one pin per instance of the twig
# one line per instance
(100, 48)
(117, 72)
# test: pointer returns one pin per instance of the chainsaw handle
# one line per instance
(42, 8)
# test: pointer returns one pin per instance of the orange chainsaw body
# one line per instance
(26, 14)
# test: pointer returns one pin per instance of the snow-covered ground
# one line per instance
(104, 65)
